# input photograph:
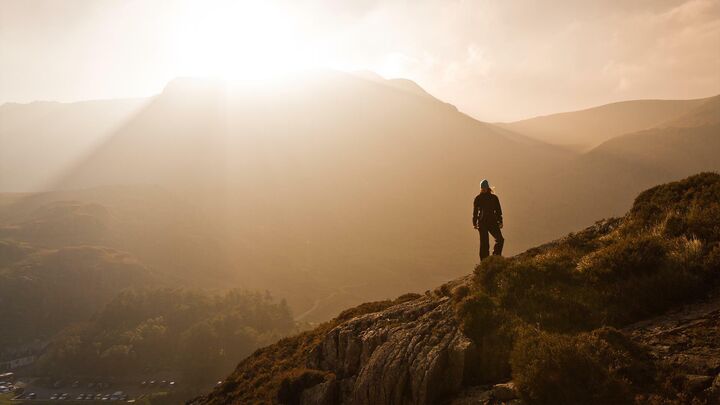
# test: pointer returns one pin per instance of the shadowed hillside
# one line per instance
(63, 255)
(544, 318)
(189, 333)
(44, 290)
(585, 129)
(686, 144)
(610, 175)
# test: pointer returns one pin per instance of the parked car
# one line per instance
(55, 396)
(76, 384)
(31, 395)
(98, 396)
(64, 396)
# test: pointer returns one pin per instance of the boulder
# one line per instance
(696, 383)
(504, 392)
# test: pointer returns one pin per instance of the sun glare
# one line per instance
(238, 40)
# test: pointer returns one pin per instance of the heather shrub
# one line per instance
(374, 306)
(492, 331)
(588, 368)
(700, 192)
(486, 273)
(296, 381)
(541, 290)
(626, 257)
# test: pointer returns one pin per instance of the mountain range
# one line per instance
(327, 188)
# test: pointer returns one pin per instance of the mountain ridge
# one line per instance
(586, 128)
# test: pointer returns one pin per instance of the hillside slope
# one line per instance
(688, 143)
(78, 249)
(610, 175)
(585, 129)
(544, 318)
(44, 290)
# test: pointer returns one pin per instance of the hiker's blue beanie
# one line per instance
(484, 184)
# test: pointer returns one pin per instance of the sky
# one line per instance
(497, 60)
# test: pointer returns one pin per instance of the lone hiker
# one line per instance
(487, 217)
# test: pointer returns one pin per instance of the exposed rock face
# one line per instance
(320, 394)
(687, 341)
(412, 353)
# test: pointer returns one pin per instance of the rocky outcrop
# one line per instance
(686, 342)
(412, 353)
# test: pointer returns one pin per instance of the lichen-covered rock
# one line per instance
(412, 353)
(687, 342)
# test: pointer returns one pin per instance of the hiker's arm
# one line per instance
(475, 214)
(498, 210)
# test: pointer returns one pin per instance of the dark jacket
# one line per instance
(486, 210)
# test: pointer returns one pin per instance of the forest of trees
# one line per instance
(195, 335)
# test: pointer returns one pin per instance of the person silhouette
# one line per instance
(487, 218)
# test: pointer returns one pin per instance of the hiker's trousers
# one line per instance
(494, 230)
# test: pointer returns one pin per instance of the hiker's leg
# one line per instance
(499, 240)
(484, 242)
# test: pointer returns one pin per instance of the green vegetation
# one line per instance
(45, 290)
(197, 335)
(6, 399)
(541, 315)
(597, 367)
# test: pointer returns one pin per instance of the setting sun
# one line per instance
(239, 40)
